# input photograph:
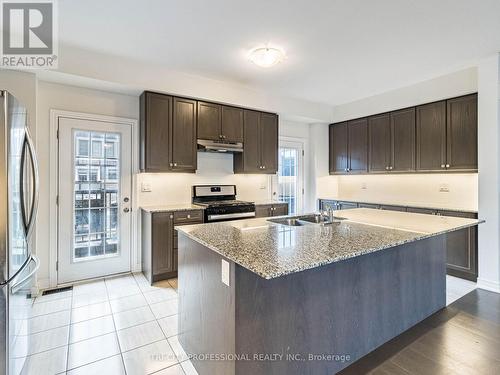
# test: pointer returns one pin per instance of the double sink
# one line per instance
(297, 221)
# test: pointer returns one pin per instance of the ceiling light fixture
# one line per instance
(266, 57)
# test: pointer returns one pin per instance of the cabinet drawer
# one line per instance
(183, 217)
(393, 208)
(466, 215)
(418, 210)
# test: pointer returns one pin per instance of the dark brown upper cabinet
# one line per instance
(461, 137)
(260, 146)
(379, 143)
(391, 142)
(219, 122)
(357, 145)
(232, 124)
(431, 137)
(183, 147)
(269, 142)
(403, 140)
(349, 147)
(209, 121)
(167, 133)
(338, 148)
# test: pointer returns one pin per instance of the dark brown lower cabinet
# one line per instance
(461, 245)
(268, 210)
(159, 241)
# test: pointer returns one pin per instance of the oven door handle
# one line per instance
(238, 215)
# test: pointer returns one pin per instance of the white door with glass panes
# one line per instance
(95, 185)
(288, 184)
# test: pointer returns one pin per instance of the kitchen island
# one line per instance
(259, 297)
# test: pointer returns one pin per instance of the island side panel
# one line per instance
(206, 307)
(347, 308)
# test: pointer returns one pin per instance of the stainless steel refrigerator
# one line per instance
(18, 208)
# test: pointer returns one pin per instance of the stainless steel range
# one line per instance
(220, 203)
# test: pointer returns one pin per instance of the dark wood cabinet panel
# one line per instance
(280, 209)
(162, 244)
(260, 146)
(183, 135)
(232, 124)
(155, 123)
(379, 141)
(462, 133)
(269, 142)
(369, 205)
(392, 208)
(209, 121)
(263, 210)
(268, 210)
(357, 145)
(431, 137)
(248, 161)
(403, 140)
(338, 148)
(159, 241)
(347, 205)
(419, 210)
(462, 248)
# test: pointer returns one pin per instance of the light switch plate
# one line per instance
(146, 187)
(225, 272)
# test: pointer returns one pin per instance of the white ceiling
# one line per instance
(338, 51)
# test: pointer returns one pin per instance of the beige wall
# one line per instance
(419, 190)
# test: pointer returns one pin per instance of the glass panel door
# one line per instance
(95, 186)
(289, 185)
(96, 176)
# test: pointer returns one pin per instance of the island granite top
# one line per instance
(273, 250)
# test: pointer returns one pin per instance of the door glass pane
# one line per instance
(288, 177)
(97, 192)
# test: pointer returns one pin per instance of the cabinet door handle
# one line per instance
(442, 165)
(171, 164)
(390, 168)
(386, 168)
(175, 164)
(171, 216)
(189, 216)
(263, 167)
(447, 166)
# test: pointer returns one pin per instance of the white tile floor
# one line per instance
(114, 326)
(121, 326)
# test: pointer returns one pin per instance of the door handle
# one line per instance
(29, 220)
(126, 210)
(18, 284)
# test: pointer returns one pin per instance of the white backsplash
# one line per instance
(213, 168)
(418, 189)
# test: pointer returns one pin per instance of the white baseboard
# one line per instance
(492, 286)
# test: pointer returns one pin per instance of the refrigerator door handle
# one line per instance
(19, 283)
(29, 221)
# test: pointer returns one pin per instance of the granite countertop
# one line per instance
(403, 204)
(272, 250)
(172, 207)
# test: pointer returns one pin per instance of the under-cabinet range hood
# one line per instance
(219, 146)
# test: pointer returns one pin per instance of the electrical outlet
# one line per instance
(444, 188)
(146, 187)
(364, 186)
(225, 272)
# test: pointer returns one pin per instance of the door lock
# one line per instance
(126, 199)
